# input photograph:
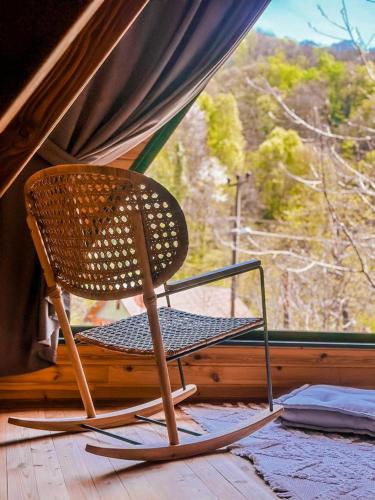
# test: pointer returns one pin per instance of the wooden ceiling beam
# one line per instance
(47, 64)
(77, 61)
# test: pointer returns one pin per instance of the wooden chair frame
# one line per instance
(93, 421)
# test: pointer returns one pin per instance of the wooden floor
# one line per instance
(45, 465)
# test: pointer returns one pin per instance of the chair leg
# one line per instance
(181, 372)
(73, 352)
(266, 342)
(179, 364)
(160, 358)
(55, 295)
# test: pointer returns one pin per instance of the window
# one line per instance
(276, 160)
(288, 124)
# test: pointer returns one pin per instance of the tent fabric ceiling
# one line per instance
(162, 63)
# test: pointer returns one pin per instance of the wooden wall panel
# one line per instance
(221, 373)
(127, 159)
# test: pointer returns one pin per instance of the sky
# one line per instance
(290, 18)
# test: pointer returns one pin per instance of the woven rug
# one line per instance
(297, 464)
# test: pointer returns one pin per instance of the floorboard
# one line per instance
(44, 465)
(3, 457)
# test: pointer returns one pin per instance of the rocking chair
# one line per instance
(105, 233)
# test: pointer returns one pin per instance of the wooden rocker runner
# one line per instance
(104, 233)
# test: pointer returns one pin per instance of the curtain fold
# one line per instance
(161, 64)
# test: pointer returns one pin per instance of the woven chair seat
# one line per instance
(182, 332)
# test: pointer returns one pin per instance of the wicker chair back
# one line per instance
(86, 217)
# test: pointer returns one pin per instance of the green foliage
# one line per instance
(367, 163)
(282, 150)
(364, 112)
(286, 75)
(348, 148)
(330, 67)
(168, 169)
(225, 138)
(235, 128)
(267, 108)
(348, 86)
(366, 322)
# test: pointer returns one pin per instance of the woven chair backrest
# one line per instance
(85, 215)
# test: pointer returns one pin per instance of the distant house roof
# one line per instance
(208, 300)
(105, 312)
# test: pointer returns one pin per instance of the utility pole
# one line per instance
(238, 184)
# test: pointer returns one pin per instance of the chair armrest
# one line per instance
(202, 279)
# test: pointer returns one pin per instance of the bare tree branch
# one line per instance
(296, 118)
(335, 218)
(354, 34)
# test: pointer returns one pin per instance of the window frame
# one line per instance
(277, 338)
(288, 338)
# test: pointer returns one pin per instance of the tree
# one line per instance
(225, 138)
(301, 120)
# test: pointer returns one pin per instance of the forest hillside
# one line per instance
(299, 120)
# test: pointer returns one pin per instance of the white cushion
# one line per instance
(330, 408)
